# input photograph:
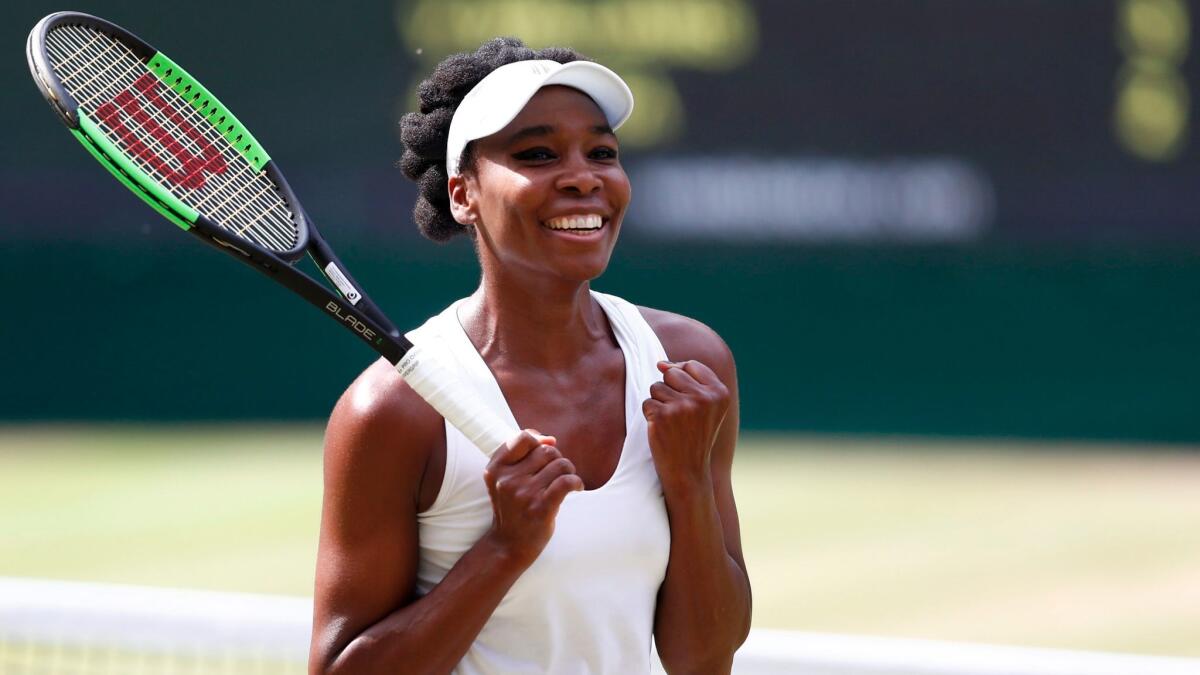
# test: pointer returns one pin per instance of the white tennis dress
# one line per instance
(587, 604)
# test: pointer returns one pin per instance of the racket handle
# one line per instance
(454, 400)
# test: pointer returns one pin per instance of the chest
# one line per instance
(618, 533)
(585, 410)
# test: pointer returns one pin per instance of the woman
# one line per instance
(562, 553)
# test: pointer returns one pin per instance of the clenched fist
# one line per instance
(684, 413)
(527, 479)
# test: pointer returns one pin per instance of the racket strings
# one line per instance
(122, 81)
(104, 94)
(97, 69)
(279, 232)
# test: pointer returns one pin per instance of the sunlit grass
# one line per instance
(1081, 547)
(1088, 547)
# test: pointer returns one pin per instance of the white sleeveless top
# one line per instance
(587, 603)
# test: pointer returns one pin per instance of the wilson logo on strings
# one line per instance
(194, 166)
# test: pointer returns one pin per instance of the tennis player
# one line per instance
(610, 520)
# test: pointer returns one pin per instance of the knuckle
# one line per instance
(559, 493)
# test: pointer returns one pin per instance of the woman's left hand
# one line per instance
(684, 413)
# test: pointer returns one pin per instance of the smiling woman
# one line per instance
(568, 550)
(560, 187)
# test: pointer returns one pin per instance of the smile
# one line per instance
(580, 224)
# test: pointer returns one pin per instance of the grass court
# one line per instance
(1058, 545)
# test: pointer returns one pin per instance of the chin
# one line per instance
(583, 264)
(583, 270)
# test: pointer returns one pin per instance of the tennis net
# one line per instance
(61, 628)
(69, 628)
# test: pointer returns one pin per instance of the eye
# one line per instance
(538, 154)
(604, 152)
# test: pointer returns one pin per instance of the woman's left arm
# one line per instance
(703, 612)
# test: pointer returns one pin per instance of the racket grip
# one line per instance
(454, 400)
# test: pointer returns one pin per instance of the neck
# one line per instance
(548, 326)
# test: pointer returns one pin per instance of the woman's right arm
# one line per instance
(377, 449)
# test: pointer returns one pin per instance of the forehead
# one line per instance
(558, 106)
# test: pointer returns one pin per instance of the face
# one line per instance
(547, 193)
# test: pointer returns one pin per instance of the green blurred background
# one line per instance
(967, 233)
(926, 228)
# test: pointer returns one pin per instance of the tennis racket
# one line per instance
(164, 136)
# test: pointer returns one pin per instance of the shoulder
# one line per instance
(381, 430)
(379, 401)
(686, 339)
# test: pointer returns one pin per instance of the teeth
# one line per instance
(590, 222)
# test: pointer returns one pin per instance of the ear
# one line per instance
(462, 202)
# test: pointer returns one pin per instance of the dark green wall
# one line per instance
(938, 341)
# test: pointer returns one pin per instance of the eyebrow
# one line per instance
(547, 129)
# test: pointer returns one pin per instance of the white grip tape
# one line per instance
(454, 400)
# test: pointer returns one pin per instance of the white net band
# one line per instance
(53, 628)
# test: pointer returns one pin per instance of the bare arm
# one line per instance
(703, 612)
(366, 616)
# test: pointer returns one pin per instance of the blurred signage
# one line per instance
(642, 39)
(1151, 117)
(879, 120)
(750, 199)
(1034, 122)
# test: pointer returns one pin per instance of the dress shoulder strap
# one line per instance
(627, 320)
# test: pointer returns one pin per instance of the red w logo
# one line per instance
(194, 167)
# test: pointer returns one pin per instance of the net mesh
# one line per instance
(175, 144)
(60, 628)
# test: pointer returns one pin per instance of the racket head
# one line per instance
(165, 136)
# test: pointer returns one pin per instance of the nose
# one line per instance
(578, 176)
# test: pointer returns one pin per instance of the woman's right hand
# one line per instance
(527, 479)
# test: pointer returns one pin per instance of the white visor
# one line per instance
(500, 97)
